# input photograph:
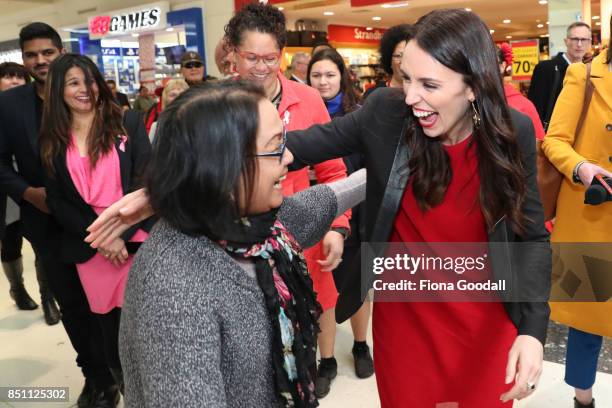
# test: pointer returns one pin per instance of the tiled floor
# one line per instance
(34, 354)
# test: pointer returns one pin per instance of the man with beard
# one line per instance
(20, 116)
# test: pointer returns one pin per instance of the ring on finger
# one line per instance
(531, 386)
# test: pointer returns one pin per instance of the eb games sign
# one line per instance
(125, 22)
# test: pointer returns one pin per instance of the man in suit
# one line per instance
(547, 79)
(20, 116)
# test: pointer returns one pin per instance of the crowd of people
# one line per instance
(201, 247)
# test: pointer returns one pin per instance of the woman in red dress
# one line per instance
(458, 352)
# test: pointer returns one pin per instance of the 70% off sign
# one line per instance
(525, 56)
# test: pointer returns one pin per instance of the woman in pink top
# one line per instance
(92, 161)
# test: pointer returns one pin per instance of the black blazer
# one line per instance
(19, 138)
(546, 85)
(73, 214)
(375, 130)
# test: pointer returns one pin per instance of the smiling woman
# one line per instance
(91, 161)
(447, 162)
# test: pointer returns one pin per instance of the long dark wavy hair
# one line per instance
(460, 41)
(55, 134)
(349, 99)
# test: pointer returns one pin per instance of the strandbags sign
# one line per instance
(352, 34)
(128, 21)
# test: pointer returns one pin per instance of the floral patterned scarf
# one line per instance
(291, 302)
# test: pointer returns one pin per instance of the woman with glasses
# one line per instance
(219, 309)
(257, 34)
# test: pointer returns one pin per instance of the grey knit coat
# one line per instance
(195, 331)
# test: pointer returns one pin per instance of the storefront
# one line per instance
(141, 45)
(359, 47)
(10, 51)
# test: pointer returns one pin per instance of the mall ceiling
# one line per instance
(525, 15)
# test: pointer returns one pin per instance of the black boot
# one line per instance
(328, 369)
(364, 366)
(14, 273)
(117, 374)
(52, 314)
(107, 398)
(579, 405)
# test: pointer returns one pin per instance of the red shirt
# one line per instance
(524, 105)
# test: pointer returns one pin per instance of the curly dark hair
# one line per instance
(257, 17)
(393, 36)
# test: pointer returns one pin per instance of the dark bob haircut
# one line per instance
(257, 17)
(203, 161)
(38, 30)
(12, 69)
(393, 36)
(349, 99)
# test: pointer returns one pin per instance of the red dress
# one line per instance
(429, 354)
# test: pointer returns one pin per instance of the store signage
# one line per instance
(127, 52)
(525, 56)
(128, 21)
(352, 34)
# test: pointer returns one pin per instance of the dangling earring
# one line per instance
(475, 116)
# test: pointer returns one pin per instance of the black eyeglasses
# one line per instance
(281, 149)
(578, 40)
(191, 65)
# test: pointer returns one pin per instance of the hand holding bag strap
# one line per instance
(549, 178)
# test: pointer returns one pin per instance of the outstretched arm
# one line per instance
(119, 217)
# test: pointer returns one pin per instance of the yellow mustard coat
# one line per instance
(577, 222)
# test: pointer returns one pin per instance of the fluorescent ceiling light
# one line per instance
(507, 21)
